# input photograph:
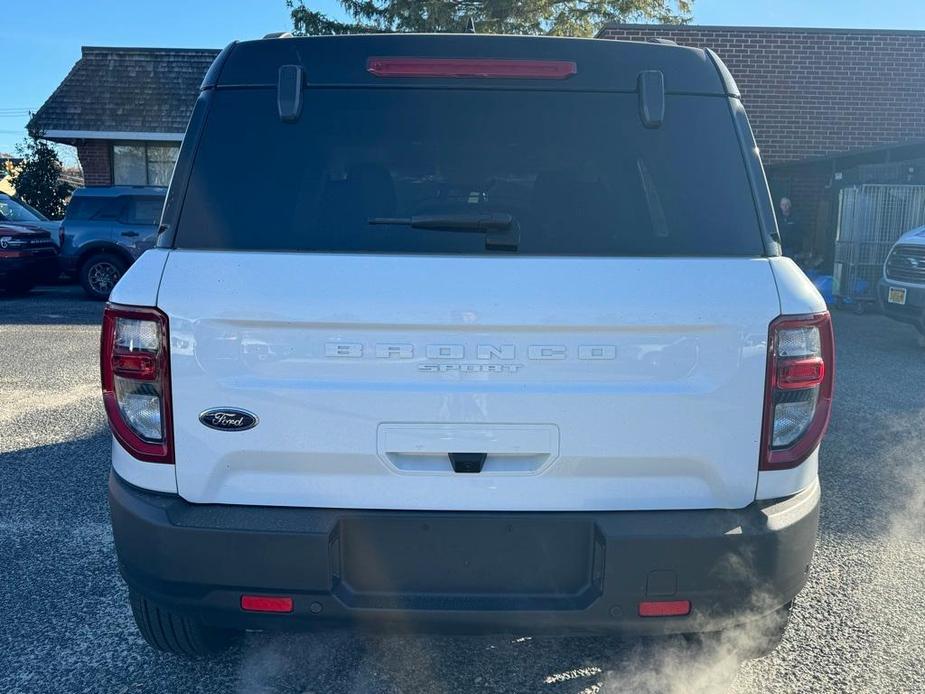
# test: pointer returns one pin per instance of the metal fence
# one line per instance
(870, 219)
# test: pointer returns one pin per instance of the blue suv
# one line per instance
(105, 229)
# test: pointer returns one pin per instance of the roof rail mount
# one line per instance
(289, 92)
(651, 87)
(278, 35)
(664, 42)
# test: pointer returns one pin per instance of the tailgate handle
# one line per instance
(467, 462)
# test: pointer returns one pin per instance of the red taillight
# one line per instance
(472, 68)
(665, 608)
(800, 373)
(142, 367)
(266, 603)
(135, 368)
(798, 392)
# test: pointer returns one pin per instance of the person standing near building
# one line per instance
(792, 233)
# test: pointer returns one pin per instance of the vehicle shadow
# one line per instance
(339, 661)
(59, 304)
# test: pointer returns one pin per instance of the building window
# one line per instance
(142, 163)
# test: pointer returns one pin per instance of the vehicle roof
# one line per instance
(115, 191)
(603, 64)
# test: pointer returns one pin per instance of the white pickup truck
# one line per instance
(465, 332)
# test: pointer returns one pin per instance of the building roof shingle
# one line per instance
(144, 90)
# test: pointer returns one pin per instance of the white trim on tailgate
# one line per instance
(776, 484)
(798, 296)
(158, 477)
(139, 285)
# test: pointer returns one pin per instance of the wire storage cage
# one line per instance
(871, 217)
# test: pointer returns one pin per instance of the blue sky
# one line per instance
(39, 51)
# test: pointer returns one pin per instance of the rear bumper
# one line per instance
(29, 268)
(912, 312)
(470, 571)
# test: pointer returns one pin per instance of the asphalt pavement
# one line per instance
(65, 625)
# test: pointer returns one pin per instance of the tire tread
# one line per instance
(173, 633)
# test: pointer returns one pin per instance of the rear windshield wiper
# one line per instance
(501, 230)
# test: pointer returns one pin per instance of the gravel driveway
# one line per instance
(65, 625)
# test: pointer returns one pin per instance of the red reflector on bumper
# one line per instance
(665, 608)
(266, 603)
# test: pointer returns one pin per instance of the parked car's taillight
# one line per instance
(135, 365)
(798, 392)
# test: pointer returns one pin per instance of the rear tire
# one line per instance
(760, 637)
(173, 633)
(99, 274)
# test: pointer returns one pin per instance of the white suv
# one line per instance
(470, 332)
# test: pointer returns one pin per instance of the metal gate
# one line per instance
(870, 219)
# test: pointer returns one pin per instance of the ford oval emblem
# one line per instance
(228, 419)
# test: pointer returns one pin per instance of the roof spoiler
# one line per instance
(729, 83)
(212, 75)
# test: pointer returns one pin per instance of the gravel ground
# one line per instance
(65, 625)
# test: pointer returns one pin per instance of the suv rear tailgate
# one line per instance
(590, 383)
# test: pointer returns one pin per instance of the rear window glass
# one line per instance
(92, 207)
(577, 171)
(144, 211)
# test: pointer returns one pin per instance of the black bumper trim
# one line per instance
(581, 572)
(912, 312)
(37, 268)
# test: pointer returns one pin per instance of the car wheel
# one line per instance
(173, 633)
(99, 274)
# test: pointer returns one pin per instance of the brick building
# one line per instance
(125, 110)
(829, 107)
